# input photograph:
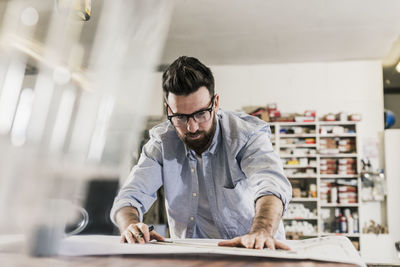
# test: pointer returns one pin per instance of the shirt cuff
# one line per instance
(121, 203)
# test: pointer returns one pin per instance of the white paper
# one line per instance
(331, 248)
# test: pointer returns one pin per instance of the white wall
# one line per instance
(353, 87)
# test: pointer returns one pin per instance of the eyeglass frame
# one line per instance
(188, 116)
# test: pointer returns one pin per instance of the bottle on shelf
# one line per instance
(356, 227)
(350, 221)
(336, 228)
(312, 192)
(334, 194)
(343, 224)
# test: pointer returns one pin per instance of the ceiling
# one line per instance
(281, 31)
(238, 32)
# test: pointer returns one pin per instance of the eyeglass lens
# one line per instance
(199, 117)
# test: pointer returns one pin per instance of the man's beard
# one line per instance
(200, 144)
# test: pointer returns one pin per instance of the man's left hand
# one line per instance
(257, 240)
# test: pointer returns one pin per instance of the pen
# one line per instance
(151, 228)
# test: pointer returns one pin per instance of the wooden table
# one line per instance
(14, 260)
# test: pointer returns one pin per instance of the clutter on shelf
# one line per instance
(343, 191)
(271, 113)
(320, 158)
(341, 166)
(337, 145)
(300, 171)
(299, 162)
(336, 129)
(344, 221)
(298, 151)
(296, 130)
(303, 188)
(301, 227)
(299, 211)
(297, 141)
(374, 228)
(341, 116)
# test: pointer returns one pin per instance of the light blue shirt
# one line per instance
(239, 167)
(205, 226)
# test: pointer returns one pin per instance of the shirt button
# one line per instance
(194, 194)
(191, 218)
(192, 169)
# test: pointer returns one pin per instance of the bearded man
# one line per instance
(221, 176)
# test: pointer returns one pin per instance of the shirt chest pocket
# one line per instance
(236, 186)
(238, 203)
(233, 176)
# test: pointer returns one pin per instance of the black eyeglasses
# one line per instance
(200, 116)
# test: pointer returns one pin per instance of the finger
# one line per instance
(156, 236)
(129, 237)
(248, 241)
(144, 229)
(259, 243)
(269, 243)
(280, 245)
(123, 239)
(135, 233)
(235, 242)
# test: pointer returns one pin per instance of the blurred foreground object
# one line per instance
(81, 8)
(73, 97)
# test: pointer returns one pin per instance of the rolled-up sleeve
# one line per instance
(140, 188)
(264, 169)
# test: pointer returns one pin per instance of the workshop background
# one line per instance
(80, 85)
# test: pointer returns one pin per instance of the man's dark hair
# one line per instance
(185, 76)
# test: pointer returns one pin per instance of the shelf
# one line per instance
(304, 199)
(294, 123)
(334, 205)
(302, 152)
(338, 122)
(313, 123)
(340, 234)
(338, 135)
(341, 155)
(301, 176)
(297, 156)
(297, 135)
(338, 176)
(300, 218)
(297, 145)
(298, 166)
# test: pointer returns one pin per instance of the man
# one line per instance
(220, 174)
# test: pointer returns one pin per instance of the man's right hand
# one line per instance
(139, 233)
(133, 231)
